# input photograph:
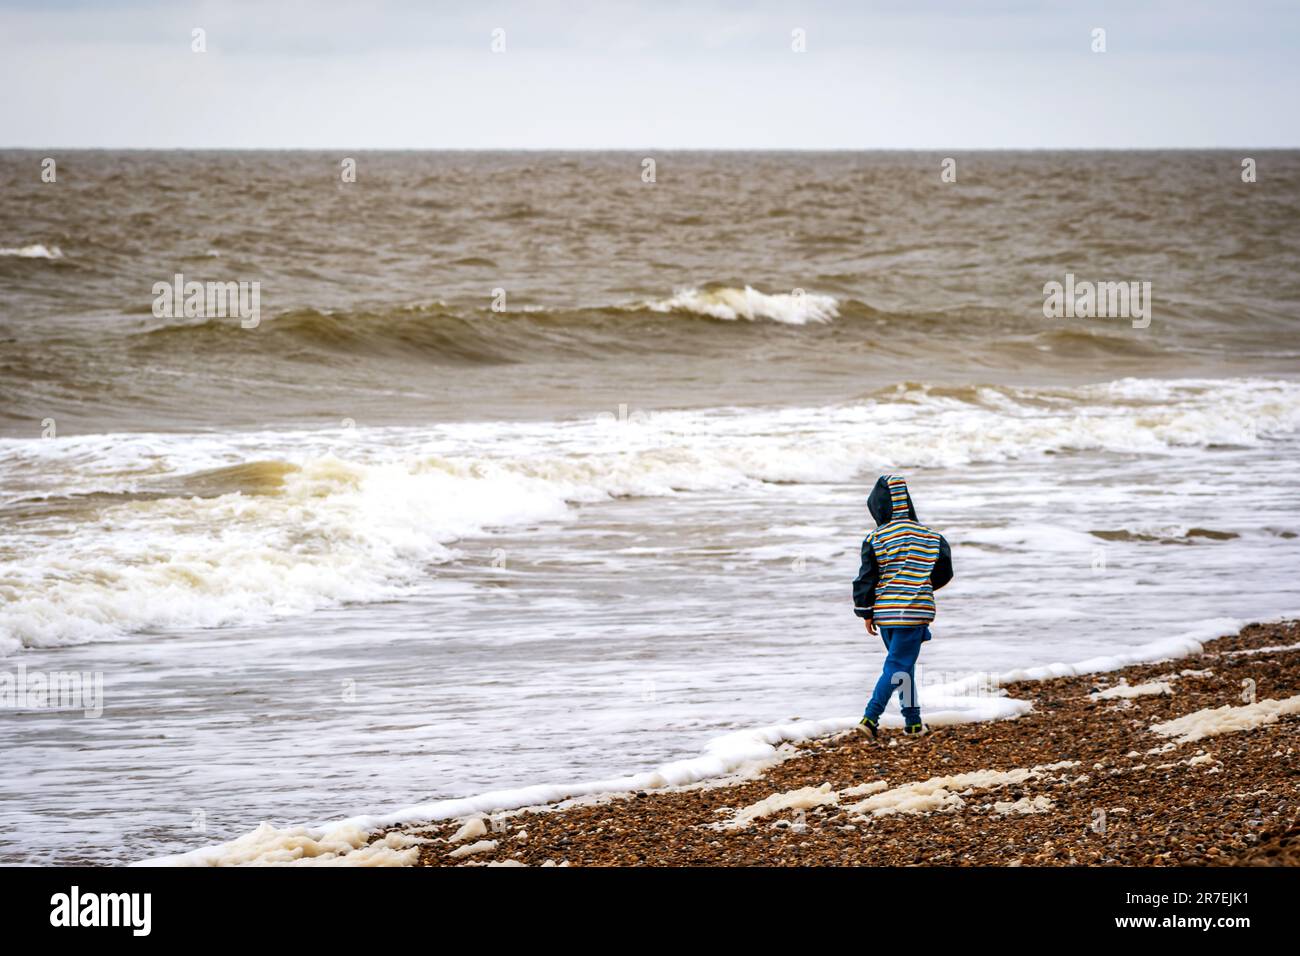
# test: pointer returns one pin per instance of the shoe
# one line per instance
(914, 729)
(866, 723)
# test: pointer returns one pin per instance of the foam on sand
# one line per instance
(304, 846)
(471, 849)
(945, 793)
(1124, 690)
(937, 794)
(803, 799)
(474, 827)
(1226, 719)
(1038, 804)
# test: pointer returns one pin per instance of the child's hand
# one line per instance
(871, 625)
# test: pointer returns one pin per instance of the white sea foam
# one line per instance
(474, 827)
(1038, 804)
(34, 251)
(939, 794)
(301, 846)
(1122, 691)
(789, 308)
(805, 798)
(363, 515)
(471, 849)
(338, 531)
(1226, 719)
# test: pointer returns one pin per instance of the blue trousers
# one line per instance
(899, 674)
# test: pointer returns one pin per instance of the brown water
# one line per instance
(376, 295)
(389, 544)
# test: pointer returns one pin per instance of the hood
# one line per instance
(890, 500)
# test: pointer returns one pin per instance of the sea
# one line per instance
(337, 481)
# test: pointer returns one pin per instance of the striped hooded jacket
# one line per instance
(903, 561)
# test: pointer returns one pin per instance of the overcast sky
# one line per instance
(649, 73)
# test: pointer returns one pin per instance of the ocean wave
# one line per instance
(1097, 342)
(454, 334)
(35, 251)
(206, 531)
(433, 332)
(788, 308)
(332, 532)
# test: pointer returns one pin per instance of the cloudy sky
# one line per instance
(649, 73)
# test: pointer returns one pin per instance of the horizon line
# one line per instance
(637, 149)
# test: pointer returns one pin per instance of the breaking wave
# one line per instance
(788, 308)
(176, 531)
(35, 251)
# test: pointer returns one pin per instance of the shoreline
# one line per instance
(1081, 779)
(1062, 739)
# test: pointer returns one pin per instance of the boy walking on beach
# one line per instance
(903, 564)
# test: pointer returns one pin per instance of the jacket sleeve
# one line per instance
(941, 574)
(864, 585)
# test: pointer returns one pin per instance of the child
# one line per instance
(903, 564)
